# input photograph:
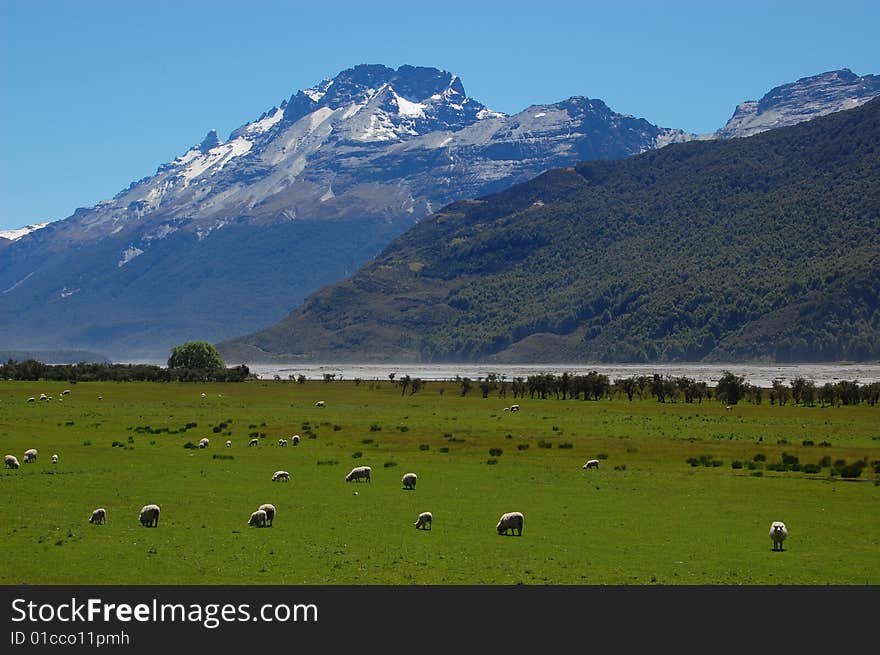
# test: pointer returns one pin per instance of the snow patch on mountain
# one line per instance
(128, 254)
(15, 235)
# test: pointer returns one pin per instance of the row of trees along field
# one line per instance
(193, 361)
(730, 389)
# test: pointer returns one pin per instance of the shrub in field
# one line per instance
(544, 444)
(620, 467)
(424, 446)
(824, 444)
(807, 442)
(222, 456)
(337, 428)
(375, 427)
(366, 441)
(327, 462)
(403, 428)
(190, 445)
(491, 461)
(853, 470)
(602, 456)
(760, 457)
(522, 446)
(495, 452)
(444, 449)
(788, 459)
(736, 464)
(825, 462)
(357, 455)
(565, 446)
(812, 468)
(87, 442)
(389, 464)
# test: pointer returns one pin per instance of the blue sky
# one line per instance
(95, 94)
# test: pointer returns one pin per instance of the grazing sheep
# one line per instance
(425, 520)
(514, 408)
(150, 516)
(282, 442)
(778, 533)
(253, 442)
(65, 392)
(270, 512)
(204, 395)
(44, 396)
(359, 473)
(320, 403)
(281, 475)
(99, 516)
(409, 480)
(204, 442)
(228, 444)
(512, 521)
(55, 459)
(591, 464)
(30, 455)
(294, 440)
(11, 461)
(258, 519)
(32, 399)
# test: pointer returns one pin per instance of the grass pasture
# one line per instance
(646, 516)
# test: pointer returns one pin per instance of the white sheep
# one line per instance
(55, 458)
(204, 442)
(150, 516)
(228, 443)
(425, 520)
(99, 516)
(359, 473)
(30, 455)
(282, 442)
(294, 440)
(44, 396)
(258, 519)
(514, 408)
(778, 533)
(591, 464)
(11, 461)
(281, 475)
(204, 395)
(512, 521)
(253, 442)
(32, 399)
(409, 480)
(270, 512)
(65, 392)
(320, 403)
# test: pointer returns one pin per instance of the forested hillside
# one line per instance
(760, 248)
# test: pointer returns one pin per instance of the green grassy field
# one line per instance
(645, 516)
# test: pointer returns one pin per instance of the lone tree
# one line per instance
(196, 354)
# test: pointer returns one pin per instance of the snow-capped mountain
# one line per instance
(15, 235)
(800, 101)
(231, 234)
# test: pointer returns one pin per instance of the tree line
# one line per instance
(32, 369)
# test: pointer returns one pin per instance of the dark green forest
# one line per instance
(764, 248)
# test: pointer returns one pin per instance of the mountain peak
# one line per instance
(800, 101)
(211, 140)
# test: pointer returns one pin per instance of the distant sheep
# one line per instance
(11, 461)
(228, 444)
(99, 516)
(409, 480)
(32, 399)
(204, 442)
(778, 533)
(320, 403)
(65, 392)
(284, 476)
(150, 516)
(294, 440)
(253, 442)
(591, 464)
(514, 408)
(511, 521)
(270, 512)
(30, 455)
(359, 473)
(282, 442)
(258, 519)
(425, 520)
(55, 459)
(204, 395)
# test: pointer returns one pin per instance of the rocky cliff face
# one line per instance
(800, 101)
